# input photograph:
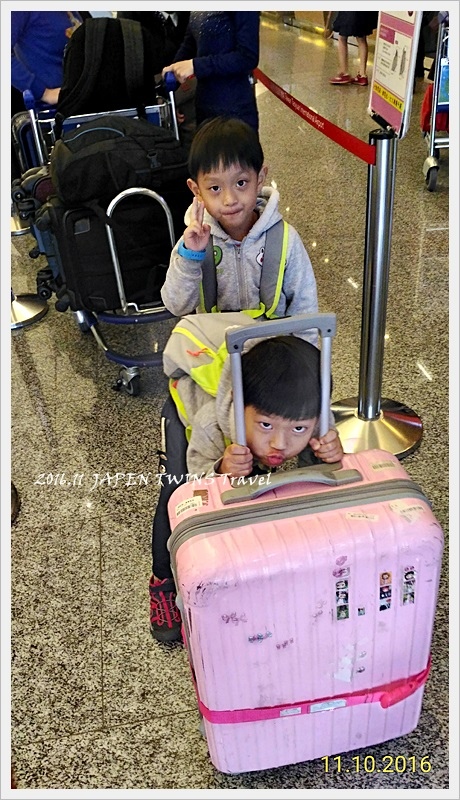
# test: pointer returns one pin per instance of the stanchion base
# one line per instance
(397, 430)
(27, 309)
(18, 226)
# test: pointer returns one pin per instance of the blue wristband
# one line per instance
(193, 255)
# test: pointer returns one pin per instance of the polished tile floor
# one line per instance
(96, 704)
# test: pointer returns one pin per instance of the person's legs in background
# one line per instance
(361, 77)
(328, 22)
(342, 51)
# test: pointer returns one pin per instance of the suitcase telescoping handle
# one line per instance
(328, 474)
(235, 339)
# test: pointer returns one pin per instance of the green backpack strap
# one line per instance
(271, 282)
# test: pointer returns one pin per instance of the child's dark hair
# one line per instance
(281, 376)
(224, 141)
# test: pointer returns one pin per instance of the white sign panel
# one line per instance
(394, 68)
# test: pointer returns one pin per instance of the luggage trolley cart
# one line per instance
(48, 279)
(438, 94)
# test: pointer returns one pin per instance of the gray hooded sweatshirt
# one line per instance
(212, 420)
(239, 271)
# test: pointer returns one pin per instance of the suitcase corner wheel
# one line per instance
(44, 290)
(46, 281)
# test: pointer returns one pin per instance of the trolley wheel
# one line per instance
(133, 387)
(44, 278)
(431, 179)
(34, 253)
(18, 195)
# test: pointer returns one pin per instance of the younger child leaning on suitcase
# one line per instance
(231, 205)
(282, 396)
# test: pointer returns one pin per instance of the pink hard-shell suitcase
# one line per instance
(307, 599)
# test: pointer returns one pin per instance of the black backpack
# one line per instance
(111, 153)
(109, 64)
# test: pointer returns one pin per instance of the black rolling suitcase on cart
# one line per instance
(76, 239)
(28, 195)
(31, 190)
(109, 266)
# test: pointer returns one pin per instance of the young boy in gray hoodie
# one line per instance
(233, 210)
(282, 393)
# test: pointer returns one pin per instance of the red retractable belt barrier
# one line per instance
(364, 151)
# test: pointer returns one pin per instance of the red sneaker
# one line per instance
(361, 80)
(340, 78)
(165, 620)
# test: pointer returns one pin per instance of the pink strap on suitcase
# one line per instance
(387, 695)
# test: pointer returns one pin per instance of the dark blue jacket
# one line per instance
(38, 39)
(224, 46)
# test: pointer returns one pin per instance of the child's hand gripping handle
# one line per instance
(235, 339)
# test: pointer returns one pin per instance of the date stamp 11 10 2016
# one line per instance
(370, 764)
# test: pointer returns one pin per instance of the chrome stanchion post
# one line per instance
(379, 225)
(369, 421)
